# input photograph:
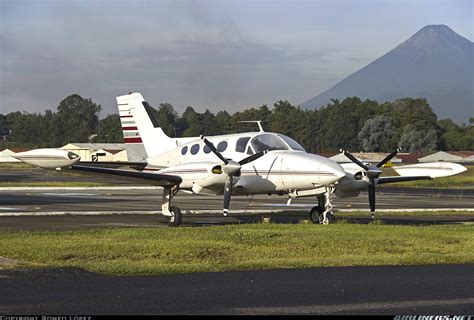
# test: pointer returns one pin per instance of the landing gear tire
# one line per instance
(175, 219)
(330, 218)
(315, 213)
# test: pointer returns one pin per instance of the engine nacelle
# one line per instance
(349, 186)
(48, 158)
(200, 175)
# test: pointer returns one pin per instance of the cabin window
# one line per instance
(206, 149)
(184, 150)
(249, 150)
(222, 146)
(241, 143)
(195, 149)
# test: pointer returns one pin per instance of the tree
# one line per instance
(191, 119)
(413, 140)
(76, 119)
(167, 118)
(414, 112)
(110, 129)
(262, 114)
(3, 126)
(376, 134)
(342, 121)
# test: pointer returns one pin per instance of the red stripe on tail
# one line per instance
(132, 140)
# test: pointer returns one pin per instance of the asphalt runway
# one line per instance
(150, 199)
(73, 209)
(433, 289)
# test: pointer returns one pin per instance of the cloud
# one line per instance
(209, 54)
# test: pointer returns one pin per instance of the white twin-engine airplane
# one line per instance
(249, 163)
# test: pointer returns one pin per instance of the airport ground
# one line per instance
(420, 289)
(78, 209)
(406, 290)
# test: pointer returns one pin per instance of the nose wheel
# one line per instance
(318, 215)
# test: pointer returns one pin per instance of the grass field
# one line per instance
(240, 247)
(410, 212)
(70, 177)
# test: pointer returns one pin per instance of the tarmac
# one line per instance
(405, 290)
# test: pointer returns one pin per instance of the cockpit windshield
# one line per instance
(270, 142)
(292, 143)
(267, 142)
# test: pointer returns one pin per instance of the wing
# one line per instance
(432, 169)
(115, 164)
(424, 171)
(383, 180)
(163, 180)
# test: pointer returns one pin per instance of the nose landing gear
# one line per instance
(322, 213)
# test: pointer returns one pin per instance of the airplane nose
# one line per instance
(335, 168)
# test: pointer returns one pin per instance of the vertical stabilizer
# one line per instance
(140, 126)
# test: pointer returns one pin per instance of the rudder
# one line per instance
(140, 126)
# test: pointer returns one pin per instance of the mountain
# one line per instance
(436, 63)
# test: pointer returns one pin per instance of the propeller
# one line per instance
(373, 172)
(232, 169)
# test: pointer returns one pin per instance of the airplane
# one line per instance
(249, 163)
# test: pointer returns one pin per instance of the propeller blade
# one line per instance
(214, 150)
(372, 196)
(252, 158)
(227, 193)
(388, 158)
(355, 160)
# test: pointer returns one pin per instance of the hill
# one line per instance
(435, 63)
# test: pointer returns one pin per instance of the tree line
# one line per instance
(351, 123)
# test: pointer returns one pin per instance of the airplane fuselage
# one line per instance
(286, 168)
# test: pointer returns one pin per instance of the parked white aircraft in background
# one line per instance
(249, 163)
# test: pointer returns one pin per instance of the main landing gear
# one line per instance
(173, 214)
(322, 213)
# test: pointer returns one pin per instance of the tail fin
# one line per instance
(140, 127)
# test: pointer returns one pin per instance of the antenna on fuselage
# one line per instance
(258, 122)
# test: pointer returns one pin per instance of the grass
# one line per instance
(133, 251)
(463, 180)
(15, 165)
(342, 214)
(70, 175)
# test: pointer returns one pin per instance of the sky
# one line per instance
(217, 55)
